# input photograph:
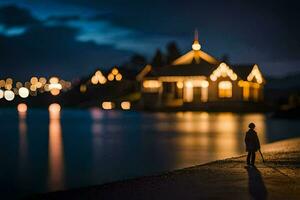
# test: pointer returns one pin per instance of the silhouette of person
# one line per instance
(252, 144)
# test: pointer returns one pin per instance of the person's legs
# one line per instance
(252, 157)
(248, 157)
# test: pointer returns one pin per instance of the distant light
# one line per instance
(110, 77)
(119, 77)
(9, 81)
(19, 84)
(115, 71)
(43, 80)
(94, 80)
(1, 94)
(33, 88)
(2, 83)
(22, 108)
(23, 92)
(54, 80)
(33, 80)
(83, 88)
(107, 105)
(55, 86)
(125, 105)
(9, 95)
(102, 80)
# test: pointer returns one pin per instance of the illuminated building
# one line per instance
(197, 79)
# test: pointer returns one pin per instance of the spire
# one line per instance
(196, 35)
(196, 46)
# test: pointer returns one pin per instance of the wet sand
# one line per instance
(277, 178)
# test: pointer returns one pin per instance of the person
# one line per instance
(252, 144)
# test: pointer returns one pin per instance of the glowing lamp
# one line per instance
(125, 105)
(9, 95)
(196, 46)
(23, 92)
(115, 71)
(1, 94)
(110, 77)
(107, 105)
(118, 77)
(179, 85)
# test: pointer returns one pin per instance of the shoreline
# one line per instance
(277, 178)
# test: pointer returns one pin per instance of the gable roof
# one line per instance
(242, 70)
(194, 56)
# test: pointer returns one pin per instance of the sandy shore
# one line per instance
(277, 178)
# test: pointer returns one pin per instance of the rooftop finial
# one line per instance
(196, 46)
(196, 35)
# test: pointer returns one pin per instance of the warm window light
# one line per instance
(83, 88)
(115, 71)
(151, 84)
(179, 85)
(118, 77)
(204, 84)
(9, 95)
(125, 105)
(107, 105)
(23, 92)
(188, 93)
(110, 77)
(22, 108)
(1, 94)
(225, 89)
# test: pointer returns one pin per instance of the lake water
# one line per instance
(87, 147)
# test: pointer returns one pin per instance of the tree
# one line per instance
(158, 59)
(172, 52)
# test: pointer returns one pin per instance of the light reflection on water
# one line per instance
(80, 148)
(56, 160)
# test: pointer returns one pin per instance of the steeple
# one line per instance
(196, 46)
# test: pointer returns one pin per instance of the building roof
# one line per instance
(242, 70)
(202, 68)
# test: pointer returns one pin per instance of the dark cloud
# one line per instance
(59, 18)
(54, 50)
(13, 16)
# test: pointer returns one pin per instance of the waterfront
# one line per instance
(88, 147)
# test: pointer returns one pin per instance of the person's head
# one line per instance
(251, 125)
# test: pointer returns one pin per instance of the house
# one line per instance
(198, 80)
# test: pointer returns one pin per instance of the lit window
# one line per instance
(225, 89)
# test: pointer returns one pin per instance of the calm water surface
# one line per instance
(88, 147)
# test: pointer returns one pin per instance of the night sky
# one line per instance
(71, 38)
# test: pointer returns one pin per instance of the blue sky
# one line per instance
(92, 34)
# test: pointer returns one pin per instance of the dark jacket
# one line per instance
(252, 141)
